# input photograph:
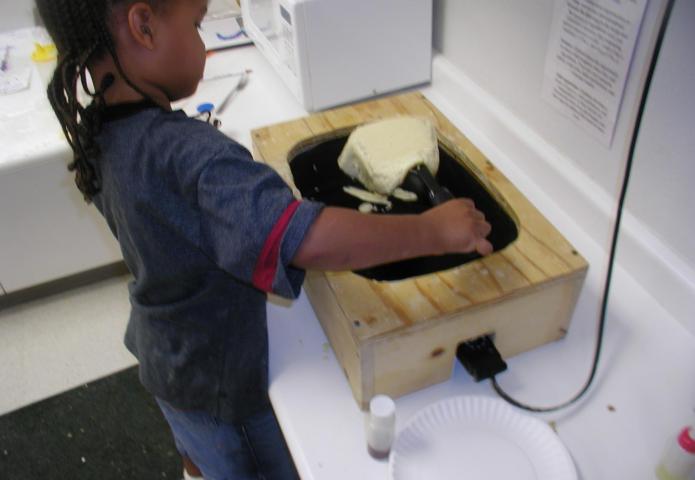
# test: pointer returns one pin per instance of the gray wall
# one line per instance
(501, 46)
(16, 14)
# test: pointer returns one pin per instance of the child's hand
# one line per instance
(460, 227)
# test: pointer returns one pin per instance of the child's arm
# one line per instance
(344, 239)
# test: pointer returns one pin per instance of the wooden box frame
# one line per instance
(399, 336)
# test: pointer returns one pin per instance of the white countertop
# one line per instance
(643, 393)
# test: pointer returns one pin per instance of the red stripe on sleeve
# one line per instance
(267, 262)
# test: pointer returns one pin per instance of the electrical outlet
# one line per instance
(480, 357)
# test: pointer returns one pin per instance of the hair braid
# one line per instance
(80, 31)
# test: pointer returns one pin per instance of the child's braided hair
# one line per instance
(80, 31)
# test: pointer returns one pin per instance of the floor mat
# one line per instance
(110, 429)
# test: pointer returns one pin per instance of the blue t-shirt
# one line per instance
(206, 231)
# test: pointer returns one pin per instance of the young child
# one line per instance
(205, 230)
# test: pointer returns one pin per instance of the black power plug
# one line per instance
(480, 358)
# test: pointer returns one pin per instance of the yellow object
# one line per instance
(380, 154)
(44, 52)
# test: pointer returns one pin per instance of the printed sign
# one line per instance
(588, 59)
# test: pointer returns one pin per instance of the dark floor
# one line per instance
(107, 430)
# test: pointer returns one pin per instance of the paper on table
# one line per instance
(222, 26)
(222, 8)
(223, 33)
(15, 48)
(220, 67)
(588, 59)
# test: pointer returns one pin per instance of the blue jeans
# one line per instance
(254, 449)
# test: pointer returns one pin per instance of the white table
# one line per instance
(642, 394)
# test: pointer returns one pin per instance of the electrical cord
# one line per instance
(614, 240)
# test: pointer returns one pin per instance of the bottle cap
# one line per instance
(382, 409)
(686, 441)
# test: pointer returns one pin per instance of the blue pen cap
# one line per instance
(205, 107)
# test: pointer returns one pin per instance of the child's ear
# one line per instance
(141, 20)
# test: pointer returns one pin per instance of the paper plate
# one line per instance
(478, 438)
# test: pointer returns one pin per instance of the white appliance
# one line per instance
(331, 52)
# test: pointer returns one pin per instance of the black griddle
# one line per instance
(316, 174)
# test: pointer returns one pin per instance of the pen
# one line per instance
(239, 86)
(5, 59)
(226, 75)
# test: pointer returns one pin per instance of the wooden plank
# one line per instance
(505, 274)
(276, 141)
(521, 262)
(318, 124)
(367, 312)
(379, 109)
(375, 308)
(416, 104)
(538, 317)
(343, 117)
(541, 254)
(539, 228)
(406, 299)
(336, 327)
(473, 282)
(439, 294)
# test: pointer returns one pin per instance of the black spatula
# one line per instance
(420, 181)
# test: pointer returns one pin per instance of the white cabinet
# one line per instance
(46, 230)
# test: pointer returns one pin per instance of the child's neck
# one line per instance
(120, 91)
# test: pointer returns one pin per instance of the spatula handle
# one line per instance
(421, 180)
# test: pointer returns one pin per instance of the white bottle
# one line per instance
(381, 426)
(678, 461)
